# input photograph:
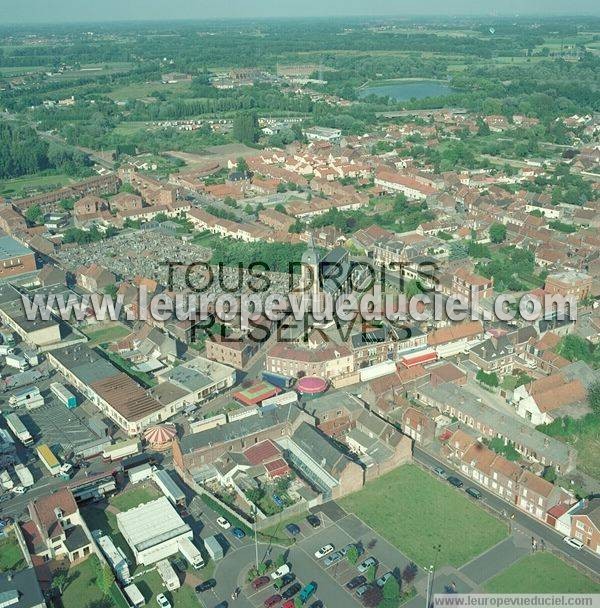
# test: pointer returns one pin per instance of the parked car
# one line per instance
(313, 521)
(19, 490)
(291, 591)
(383, 579)
(455, 481)
(317, 604)
(293, 529)
(323, 551)
(238, 533)
(573, 542)
(286, 579)
(260, 582)
(332, 558)
(439, 471)
(206, 585)
(288, 604)
(474, 492)
(272, 600)
(224, 523)
(281, 571)
(222, 605)
(356, 582)
(163, 602)
(307, 592)
(364, 566)
(362, 590)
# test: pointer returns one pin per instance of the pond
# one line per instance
(403, 90)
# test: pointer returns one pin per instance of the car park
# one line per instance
(364, 566)
(332, 558)
(383, 579)
(356, 582)
(291, 591)
(272, 600)
(260, 582)
(573, 542)
(206, 585)
(223, 523)
(313, 521)
(455, 481)
(474, 492)
(238, 533)
(162, 601)
(362, 590)
(323, 551)
(439, 471)
(293, 529)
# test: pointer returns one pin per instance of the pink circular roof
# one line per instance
(160, 434)
(311, 385)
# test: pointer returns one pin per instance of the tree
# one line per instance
(490, 379)
(391, 589)
(575, 348)
(372, 597)
(34, 214)
(245, 127)
(594, 396)
(105, 579)
(410, 572)
(550, 474)
(111, 290)
(279, 207)
(279, 561)
(352, 555)
(242, 165)
(412, 289)
(497, 233)
(60, 580)
(248, 209)
(371, 573)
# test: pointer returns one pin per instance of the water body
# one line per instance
(403, 90)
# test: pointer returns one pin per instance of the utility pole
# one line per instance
(255, 538)
(429, 572)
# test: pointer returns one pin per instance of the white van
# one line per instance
(134, 595)
(281, 571)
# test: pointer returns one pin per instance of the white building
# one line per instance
(323, 134)
(153, 530)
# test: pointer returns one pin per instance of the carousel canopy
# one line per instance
(160, 434)
(311, 385)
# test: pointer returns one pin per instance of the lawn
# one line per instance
(20, 185)
(541, 573)
(109, 332)
(11, 556)
(416, 512)
(150, 585)
(134, 497)
(82, 584)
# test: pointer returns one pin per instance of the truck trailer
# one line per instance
(17, 361)
(24, 475)
(278, 380)
(15, 424)
(49, 460)
(65, 396)
(214, 548)
(191, 553)
(122, 449)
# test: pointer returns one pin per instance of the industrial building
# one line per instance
(153, 530)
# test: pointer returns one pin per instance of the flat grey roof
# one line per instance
(10, 248)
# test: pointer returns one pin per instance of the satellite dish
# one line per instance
(492, 30)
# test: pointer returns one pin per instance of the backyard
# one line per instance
(107, 332)
(11, 557)
(134, 497)
(416, 512)
(541, 573)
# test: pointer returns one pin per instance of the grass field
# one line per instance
(415, 512)
(134, 497)
(541, 573)
(82, 584)
(144, 89)
(19, 185)
(109, 332)
(11, 556)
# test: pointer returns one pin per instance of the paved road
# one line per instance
(534, 527)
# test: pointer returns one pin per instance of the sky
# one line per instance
(68, 11)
